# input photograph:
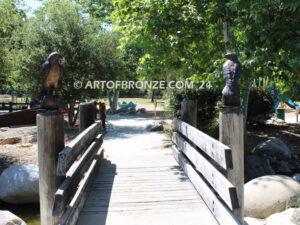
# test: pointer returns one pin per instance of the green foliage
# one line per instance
(89, 52)
(12, 18)
(260, 106)
(188, 36)
(206, 105)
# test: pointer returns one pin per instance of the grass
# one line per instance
(8, 100)
(140, 101)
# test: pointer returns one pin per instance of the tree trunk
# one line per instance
(109, 98)
(152, 96)
(113, 103)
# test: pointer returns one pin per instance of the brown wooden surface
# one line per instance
(27, 116)
(86, 115)
(215, 178)
(232, 134)
(140, 183)
(71, 215)
(50, 133)
(189, 112)
(215, 149)
(219, 210)
(76, 147)
(67, 189)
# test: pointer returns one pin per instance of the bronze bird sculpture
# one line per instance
(232, 69)
(52, 72)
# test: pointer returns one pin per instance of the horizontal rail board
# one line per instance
(215, 178)
(71, 215)
(223, 215)
(67, 189)
(215, 149)
(69, 154)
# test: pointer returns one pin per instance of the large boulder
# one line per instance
(20, 184)
(288, 217)
(256, 166)
(7, 218)
(274, 148)
(270, 194)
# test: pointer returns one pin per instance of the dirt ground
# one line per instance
(289, 133)
(24, 151)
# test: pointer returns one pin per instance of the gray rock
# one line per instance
(288, 217)
(155, 127)
(267, 195)
(8, 218)
(294, 165)
(131, 110)
(20, 184)
(274, 148)
(296, 177)
(141, 110)
(282, 167)
(256, 166)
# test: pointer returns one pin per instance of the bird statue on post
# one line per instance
(52, 72)
(232, 69)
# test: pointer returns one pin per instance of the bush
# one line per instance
(260, 106)
(206, 103)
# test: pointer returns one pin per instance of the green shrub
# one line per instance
(260, 106)
(206, 104)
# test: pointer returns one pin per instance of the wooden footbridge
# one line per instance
(198, 180)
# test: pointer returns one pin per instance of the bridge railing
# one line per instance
(66, 172)
(215, 169)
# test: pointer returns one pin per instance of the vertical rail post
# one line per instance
(232, 134)
(10, 106)
(86, 115)
(50, 132)
(189, 112)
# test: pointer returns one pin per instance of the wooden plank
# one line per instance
(231, 125)
(66, 191)
(215, 178)
(223, 215)
(71, 215)
(69, 154)
(215, 149)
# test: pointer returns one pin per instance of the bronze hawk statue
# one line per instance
(232, 69)
(52, 72)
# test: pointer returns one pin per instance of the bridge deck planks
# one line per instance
(145, 187)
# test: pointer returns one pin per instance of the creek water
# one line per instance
(30, 213)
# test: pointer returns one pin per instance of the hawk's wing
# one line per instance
(45, 71)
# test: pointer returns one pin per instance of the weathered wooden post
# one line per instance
(50, 131)
(189, 112)
(10, 106)
(86, 115)
(231, 128)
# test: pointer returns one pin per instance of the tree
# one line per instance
(189, 35)
(89, 52)
(12, 18)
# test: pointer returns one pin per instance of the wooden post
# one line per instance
(189, 112)
(232, 134)
(10, 106)
(86, 115)
(50, 131)
(297, 112)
